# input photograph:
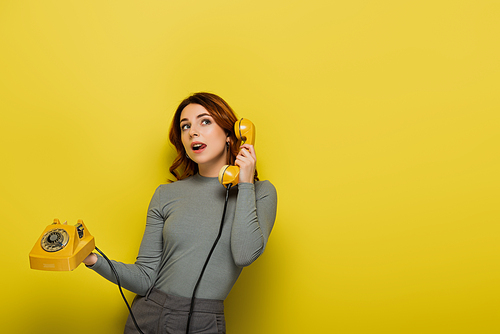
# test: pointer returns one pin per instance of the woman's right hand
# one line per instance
(90, 260)
(246, 160)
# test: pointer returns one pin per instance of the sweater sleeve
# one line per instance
(139, 277)
(254, 219)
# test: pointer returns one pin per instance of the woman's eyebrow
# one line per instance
(199, 116)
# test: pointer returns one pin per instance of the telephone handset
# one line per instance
(245, 131)
(62, 247)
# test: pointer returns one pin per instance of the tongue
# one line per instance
(200, 148)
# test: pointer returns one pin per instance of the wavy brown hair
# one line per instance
(223, 115)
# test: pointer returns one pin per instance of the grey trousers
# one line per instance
(167, 314)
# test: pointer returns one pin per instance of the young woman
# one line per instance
(183, 221)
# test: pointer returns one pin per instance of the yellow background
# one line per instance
(377, 121)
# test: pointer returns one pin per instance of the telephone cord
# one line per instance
(228, 187)
(120, 287)
(199, 278)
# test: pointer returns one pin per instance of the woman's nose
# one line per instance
(193, 132)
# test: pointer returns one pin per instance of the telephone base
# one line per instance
(61, 247)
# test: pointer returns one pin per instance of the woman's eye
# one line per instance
(184, 126)
(205, 121)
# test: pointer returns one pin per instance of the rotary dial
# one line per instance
(55, 240)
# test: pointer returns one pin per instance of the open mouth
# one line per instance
(198, 147)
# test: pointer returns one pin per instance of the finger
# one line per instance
(242, 161)
(246, 157)
(243, 152)
(250, 149)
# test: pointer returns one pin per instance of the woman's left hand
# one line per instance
(246, 160)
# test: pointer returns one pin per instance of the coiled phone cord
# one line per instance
(120, 287)
(208, 259)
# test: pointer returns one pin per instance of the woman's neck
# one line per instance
(212, 168)
(209, 171)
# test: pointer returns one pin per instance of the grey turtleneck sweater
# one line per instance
(182, 223)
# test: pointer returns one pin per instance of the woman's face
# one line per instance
(203, 139)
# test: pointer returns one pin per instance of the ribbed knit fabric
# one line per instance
(182, 223)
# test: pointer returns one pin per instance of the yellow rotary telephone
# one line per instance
(62, 247)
